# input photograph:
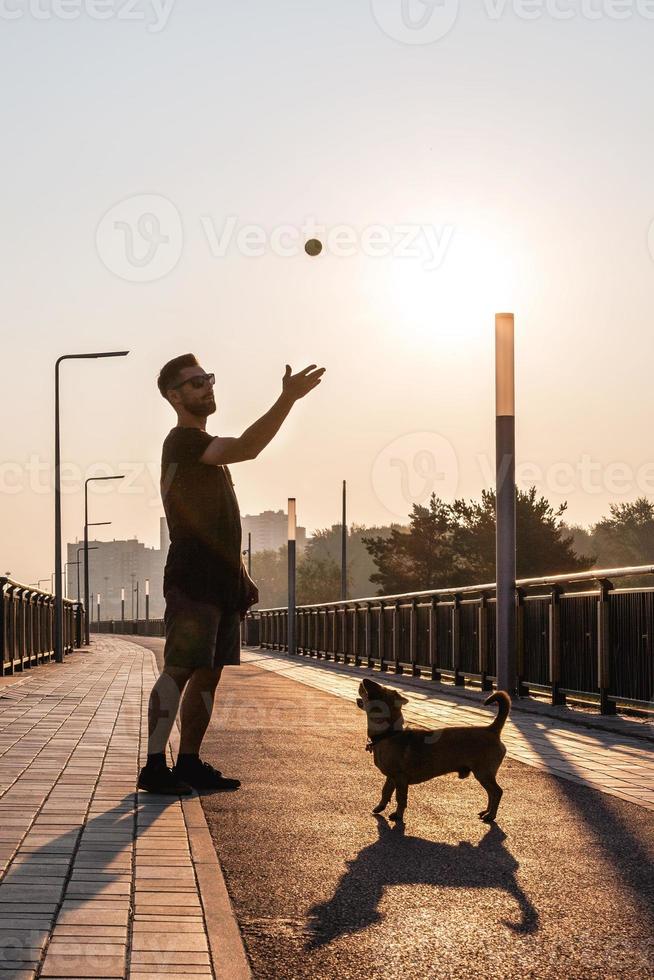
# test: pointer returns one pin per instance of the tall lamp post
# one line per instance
(505, 502)
(292, 533)
(90, 479)
(344, 544)
(66, 581)
(59, 606)
(92, 548)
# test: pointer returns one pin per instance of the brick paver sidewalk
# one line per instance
(98, 880)
(609, 761)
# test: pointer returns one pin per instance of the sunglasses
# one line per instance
(197, 381)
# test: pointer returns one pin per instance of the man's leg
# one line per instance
(163, 706)
(197, 707)
(156, 777)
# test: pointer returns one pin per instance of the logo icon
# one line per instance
(408, 470)
(416, 21)
(140, 239)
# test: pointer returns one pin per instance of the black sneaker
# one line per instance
(200, 775)
(162, 780)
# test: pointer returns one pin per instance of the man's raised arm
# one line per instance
(260, 433)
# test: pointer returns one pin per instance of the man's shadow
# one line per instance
(395, 859)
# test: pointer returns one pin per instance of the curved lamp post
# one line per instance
(59, 620)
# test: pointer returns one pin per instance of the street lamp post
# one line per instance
(66, 582)
(79, 550)
(292, 533)
(505, 502)
(59, 608)
(250, 553)
(91, 479)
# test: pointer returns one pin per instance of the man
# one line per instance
(206, 587)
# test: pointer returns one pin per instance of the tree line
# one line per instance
(451, 544)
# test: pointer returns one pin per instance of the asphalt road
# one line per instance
(561, 885)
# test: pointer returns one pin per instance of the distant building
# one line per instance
(117, 565)
(269, 530)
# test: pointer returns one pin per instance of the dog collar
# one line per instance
(374, 739)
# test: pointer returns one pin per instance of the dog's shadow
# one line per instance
(397, 859)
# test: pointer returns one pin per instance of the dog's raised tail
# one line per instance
(504, 706)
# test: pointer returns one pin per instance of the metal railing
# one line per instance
(27, 626)
(595, 645)
(130, 627)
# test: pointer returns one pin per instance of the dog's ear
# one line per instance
(372, 687)
(359, 703)
(401, 698)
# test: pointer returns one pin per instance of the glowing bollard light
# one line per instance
(292, 534)
(505, 502)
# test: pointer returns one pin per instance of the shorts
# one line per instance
(199, 634)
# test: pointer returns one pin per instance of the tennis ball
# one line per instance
(313, 247)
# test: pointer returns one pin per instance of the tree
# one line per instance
(454, 544)
(318, 580)
(627, 536)
(325, 545)
(542, 545)
(270, 572)
(420, 556)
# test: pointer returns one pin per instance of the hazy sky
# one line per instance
(459, 162)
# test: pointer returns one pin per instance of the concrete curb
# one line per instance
(230, 961)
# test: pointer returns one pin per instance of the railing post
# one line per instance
(459, 679)
(555, 646)
(433, 639)
(3, 642)
(355, 635)
(397, 667)
(318, 634)
(368, 652)
(521, 666)
(413, 638)
(607, 706)
(482, 637)
(381, 635)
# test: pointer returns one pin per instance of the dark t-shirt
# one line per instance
(204, 559)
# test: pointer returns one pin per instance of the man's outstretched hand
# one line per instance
(300, 384)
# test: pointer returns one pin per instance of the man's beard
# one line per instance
(202, 409)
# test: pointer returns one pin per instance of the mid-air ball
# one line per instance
(313, 247)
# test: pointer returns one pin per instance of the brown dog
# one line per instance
(412, 755)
